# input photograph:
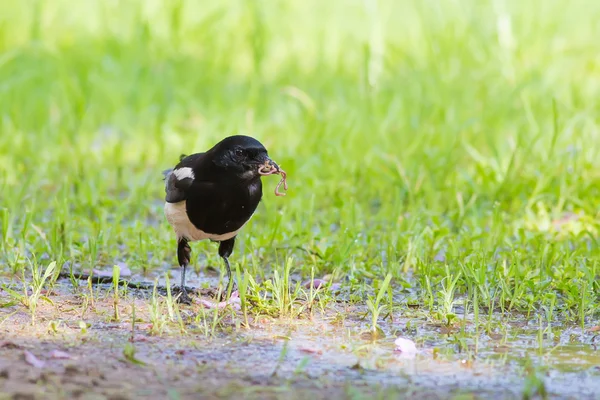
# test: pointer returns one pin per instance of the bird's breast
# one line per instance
(177, 216)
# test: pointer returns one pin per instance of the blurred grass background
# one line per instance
(430, 139)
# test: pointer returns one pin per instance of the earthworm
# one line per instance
(269, 169)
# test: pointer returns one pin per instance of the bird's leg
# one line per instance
(225, 250)
(229, 279)
(184, 253)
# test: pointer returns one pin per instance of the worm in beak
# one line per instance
(270, 167)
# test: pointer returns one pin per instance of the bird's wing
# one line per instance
(179, 179)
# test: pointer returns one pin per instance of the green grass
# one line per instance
(433, 140)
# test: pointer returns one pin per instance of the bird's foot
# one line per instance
(182, 296)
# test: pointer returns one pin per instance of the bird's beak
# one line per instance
(272, 164)
(268, 165)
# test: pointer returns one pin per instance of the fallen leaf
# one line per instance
(311, 350)
(502, 348)
(61, 355)
(33, 360)
(7, 344)
(406, 346)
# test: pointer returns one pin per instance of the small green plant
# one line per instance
(281, 291)
(132, 337)
(170, 299)
(217, 317)
(173, 306)
(540, 335)
(312, 292)
(142, 252)
(116, 274)
(158, 317)
(93, 249)
(535, 386)
(376, 308)
(243, 282)
(430, 297)
(38, 280)
(83, 326)
(5, 228)
(91, 291)
(282, 355)
(301, 366)
(447, 297)
(201, 322)
(54, 327)
(129, 352)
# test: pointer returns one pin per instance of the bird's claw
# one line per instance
(182, 297)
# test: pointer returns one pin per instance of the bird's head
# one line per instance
(241, 155)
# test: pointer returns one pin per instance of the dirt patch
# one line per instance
(86, 353)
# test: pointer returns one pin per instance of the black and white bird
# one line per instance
(212, 195)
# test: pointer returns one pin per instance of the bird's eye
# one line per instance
(239, 152)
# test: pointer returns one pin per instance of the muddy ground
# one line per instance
(79, 350)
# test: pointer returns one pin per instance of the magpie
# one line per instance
(212, 195)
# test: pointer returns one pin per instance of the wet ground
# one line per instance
(77, 349)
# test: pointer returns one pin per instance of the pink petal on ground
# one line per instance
(234, 300)
(33, 360)
(60, 355)
(406, 346)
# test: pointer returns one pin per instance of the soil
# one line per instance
(325, 356)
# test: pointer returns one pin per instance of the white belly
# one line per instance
(183, 227)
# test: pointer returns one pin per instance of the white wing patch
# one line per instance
(177, 216)
(182, 173)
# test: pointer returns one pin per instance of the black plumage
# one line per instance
(212, 195)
